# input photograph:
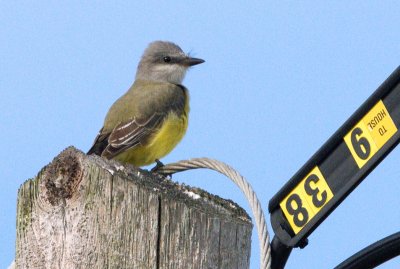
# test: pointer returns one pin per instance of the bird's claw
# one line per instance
(158, 165)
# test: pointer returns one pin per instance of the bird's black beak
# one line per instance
(189, 61)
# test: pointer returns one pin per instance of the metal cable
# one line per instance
(240, 181)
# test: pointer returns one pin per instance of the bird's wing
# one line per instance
(100, 143)
(132, 133)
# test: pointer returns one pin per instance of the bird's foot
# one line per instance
(158, 165)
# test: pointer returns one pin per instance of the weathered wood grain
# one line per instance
(86, 212)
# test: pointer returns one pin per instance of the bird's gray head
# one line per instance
(165, 62)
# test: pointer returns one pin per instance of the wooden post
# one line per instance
(86, 212)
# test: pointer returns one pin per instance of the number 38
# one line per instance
(295, 204)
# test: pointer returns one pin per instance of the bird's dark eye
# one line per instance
(167, 59)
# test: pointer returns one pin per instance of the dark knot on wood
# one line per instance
(62, 176)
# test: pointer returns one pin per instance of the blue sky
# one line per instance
(280, 77)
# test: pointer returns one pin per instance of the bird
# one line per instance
(151, 118)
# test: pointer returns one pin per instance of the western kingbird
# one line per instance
(150, 119)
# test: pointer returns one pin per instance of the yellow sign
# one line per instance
(370, 134)
(306, 200)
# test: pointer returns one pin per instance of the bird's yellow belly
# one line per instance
(160, 144)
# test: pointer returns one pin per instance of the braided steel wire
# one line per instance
(241, 182)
